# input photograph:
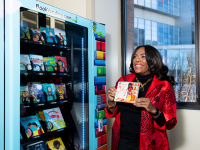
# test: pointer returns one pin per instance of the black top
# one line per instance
(131, 115)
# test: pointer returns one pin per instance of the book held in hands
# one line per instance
(127, 92)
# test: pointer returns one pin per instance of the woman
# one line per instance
(142, 125)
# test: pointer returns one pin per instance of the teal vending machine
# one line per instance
(2, 100)
(55, 79)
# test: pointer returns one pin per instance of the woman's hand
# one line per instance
(145, 103)
(111, 93)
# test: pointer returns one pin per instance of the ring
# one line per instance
(108, 91)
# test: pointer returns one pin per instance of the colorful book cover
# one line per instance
(56, 144)
(50, 91)
(52, 61)
(40, 115)
(62, 63)
(61, 91)
(54, 119)
(37, 62)
(24, 30)
(41, 145)
(62, 40)
(25, 62)
(36, 92)
(127, 92)
(46, 63)
(32, 126)
(36, 35)
(24, 95)
(49, 34)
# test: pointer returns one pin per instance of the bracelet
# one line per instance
(113, 105)
(156, 113)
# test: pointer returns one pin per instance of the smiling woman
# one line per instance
(143, 125)
(140, 64)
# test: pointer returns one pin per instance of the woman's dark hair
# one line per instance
(155, 63)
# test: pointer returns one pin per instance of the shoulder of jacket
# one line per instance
(166, 84)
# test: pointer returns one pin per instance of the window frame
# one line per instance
(180, 105)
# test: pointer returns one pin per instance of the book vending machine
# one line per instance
(2, 46)
(55, 79)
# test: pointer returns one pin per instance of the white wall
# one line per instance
(186, 134)
(78, 7)
(109, 13)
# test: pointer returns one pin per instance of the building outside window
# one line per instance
(168, 25)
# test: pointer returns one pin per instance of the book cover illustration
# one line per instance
(24, 30)
(36, 92)
(127, 92)
(52, 61)
(61, 37)
(56, 144)
(61, 91)
(25, 62)
(50, 91)
(49, 34)
(36, 35)
(46, 63)
(32, 126)
(62, 63)
(40, 115)
(54, 119)
(24, 95)
(37, 62)
(41, 145)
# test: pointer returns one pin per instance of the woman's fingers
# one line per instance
(111, 93)
(141, 102)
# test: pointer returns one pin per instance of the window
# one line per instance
(171, 6)
(154, 4)
(141, 31)
(141, 2)
(160, 5)
(166, 6)
(171, 29)
(154, 33)
(148, 3)
(166, 34)
(147, 32)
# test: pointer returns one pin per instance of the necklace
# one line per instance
(142, 85)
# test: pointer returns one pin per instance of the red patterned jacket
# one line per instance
(152, 136)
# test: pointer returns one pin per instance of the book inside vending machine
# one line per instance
(53, 82)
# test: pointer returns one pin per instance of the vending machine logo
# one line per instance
(75, 20)
(48, 10)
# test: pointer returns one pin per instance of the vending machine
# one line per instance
(2, 76)
(55, 79)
